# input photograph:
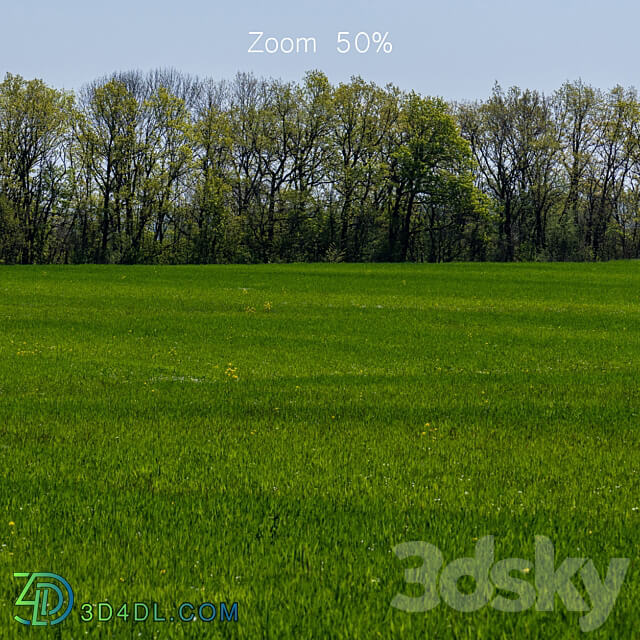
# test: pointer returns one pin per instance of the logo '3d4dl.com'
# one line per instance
(47, 599)
(438, 582)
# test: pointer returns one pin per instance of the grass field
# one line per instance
(267, 435)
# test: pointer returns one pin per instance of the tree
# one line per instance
(431, 181)
(34, 124)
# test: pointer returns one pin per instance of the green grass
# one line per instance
(135, 465)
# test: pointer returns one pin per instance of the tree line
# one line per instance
(163, 167)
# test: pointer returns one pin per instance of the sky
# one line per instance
(456, 49)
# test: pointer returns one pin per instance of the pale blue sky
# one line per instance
(453, 48)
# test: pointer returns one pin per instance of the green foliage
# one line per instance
(34, 123)
(11, 239)
(165, 168)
